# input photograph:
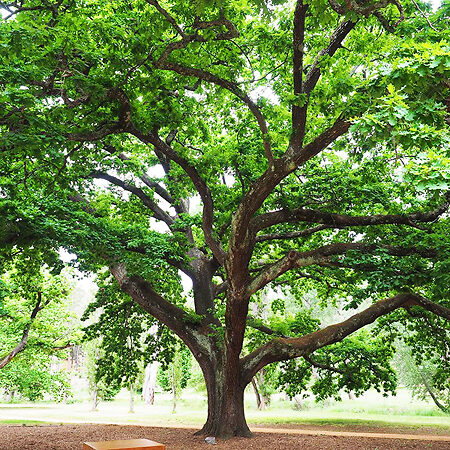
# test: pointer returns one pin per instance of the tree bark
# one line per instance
(226, 416)
(262, 400)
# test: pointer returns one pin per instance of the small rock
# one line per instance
(210, 440)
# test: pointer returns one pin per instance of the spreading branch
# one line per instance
(264, 186)
(341, 220)
(280, 349)
(322, 257)
(291, 234)
(164, 63)
(368, 9)
(115, 127)
(200, 185)
(298, 112)
(142, 292)
(321, 365)
(168, 16)
(336, 39)
(257, 325)
(159, 213)
(161, 191)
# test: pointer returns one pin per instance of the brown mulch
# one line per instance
(71, 437)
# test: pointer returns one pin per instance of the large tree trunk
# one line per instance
(226, 417)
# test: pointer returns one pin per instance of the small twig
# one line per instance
(424, 15)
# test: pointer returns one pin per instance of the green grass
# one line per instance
(24, 423)
(370, 410)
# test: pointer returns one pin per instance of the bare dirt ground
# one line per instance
(71, 437)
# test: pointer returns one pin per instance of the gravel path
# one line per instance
(71, 437)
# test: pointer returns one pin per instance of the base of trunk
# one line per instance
(226, 418)
(224, 431)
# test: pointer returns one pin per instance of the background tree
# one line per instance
(37, 327)
(35, 308)
(122, 339)
(424, 377)
(99, 389)
(34, 376)
(149, 383)
(313, 135)
(174, 376)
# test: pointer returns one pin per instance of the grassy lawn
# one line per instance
(371, 409)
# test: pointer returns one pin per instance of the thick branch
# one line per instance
(321, 256)
(203, 75)
(298, 111)
(289, 348)
(341, 220)
(290, 261)
(199, 183)
(336, 39)
(291, 234)
(168, 17)
(146, 200)
(145, 296)
(439, 310)
(242, 238)
(195, 336)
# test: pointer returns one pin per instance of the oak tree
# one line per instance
(244, 146)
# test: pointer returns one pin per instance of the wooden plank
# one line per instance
(129, 444)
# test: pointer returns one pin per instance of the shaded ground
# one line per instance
(71, 437)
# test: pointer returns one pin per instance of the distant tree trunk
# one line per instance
(174, 392)
(351, 396)
(262, 380)
(8, 395)
(148, 389)
(262, 400)
(433, 395)
(299, 404)
(131, 390)
(95, 399)
(258, 396)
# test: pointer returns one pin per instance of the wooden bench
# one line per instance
(130, 444)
